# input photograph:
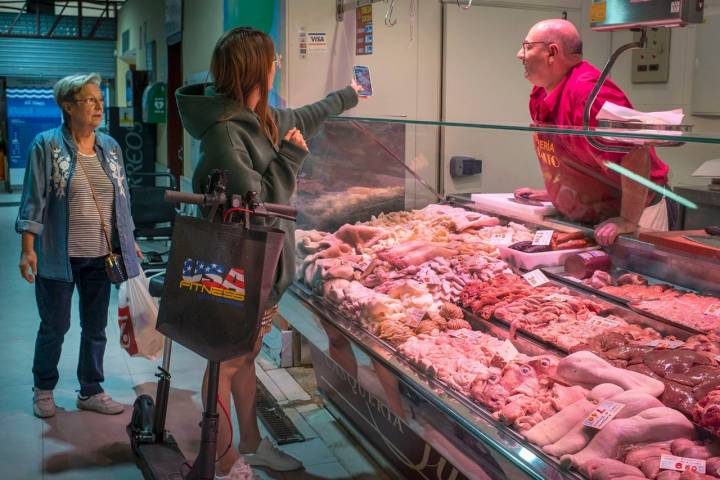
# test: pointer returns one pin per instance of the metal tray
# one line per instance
(626, 302)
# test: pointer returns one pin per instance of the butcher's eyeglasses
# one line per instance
(525, 46)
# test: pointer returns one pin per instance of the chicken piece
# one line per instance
(712, 466)
(552, 429)
(688, 475)
(603, 391)
(637, 456)
(587, 369)
(600, 279)
(651, 467)
(579, 435)
(360, 236)
(607, 468)
(631, 279)
(653, 425)
(668, 475)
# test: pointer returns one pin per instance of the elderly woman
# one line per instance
(74, 209)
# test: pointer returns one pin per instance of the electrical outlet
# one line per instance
(652, 64)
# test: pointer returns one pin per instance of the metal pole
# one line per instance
(204, 467)
(598, 86)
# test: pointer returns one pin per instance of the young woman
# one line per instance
(263, 149)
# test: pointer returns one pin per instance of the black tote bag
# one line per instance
(218, 280)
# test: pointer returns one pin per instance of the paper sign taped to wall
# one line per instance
(317, 41)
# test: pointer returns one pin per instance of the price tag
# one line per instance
(416, 315)
(536, 278)
(713, 309)
(507, 351)
(542, 237)
(500, 238)
(558, 297)
(599, 321)
(681, 464)
(660, 343)
(602, 414)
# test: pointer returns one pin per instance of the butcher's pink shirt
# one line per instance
(577, 181)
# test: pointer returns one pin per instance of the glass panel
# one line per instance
(558, 130)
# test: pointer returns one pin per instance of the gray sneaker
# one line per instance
(43, 403)
(100, 403)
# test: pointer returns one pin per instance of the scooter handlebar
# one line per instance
(173, 196)
(280, 209)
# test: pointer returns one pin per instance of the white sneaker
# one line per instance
(239, 471)
(268, 455)
(43, 403)
(100, 403)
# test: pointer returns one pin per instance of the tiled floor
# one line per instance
(81, 445)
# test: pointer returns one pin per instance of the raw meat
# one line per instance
(637, 456)
(360, 236)
(653, 425)
(587, 369)
(688, 309)
(607, 468)
(578, 436)
(707, 411)
(668, 475)
(554, 428)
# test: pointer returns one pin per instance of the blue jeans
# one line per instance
(54, 300)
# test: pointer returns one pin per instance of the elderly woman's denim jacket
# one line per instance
(44, 206)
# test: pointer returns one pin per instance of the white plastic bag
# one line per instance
(137, 317)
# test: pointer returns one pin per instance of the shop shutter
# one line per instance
(34, 57)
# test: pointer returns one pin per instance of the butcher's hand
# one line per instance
(28, 260)
(532, 194)
(358, 88)
(295, 136)
(138, 252)
(607, 232)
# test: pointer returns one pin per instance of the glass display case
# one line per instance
(426, 426)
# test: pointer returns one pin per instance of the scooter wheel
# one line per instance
(140, 427)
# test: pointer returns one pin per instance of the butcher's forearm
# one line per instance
(634, 195)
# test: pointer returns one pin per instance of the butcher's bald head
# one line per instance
(551, 48)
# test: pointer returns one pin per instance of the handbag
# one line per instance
(114, 264)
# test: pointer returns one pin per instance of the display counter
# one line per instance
(417, 416)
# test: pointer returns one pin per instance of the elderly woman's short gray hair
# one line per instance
(66, 88)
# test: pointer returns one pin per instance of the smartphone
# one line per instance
(361, 74)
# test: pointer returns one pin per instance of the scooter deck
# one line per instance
(161, 461)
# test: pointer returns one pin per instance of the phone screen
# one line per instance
(362, 77)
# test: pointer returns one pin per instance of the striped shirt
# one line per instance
(86, 238)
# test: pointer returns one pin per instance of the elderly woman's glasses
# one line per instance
(277, 60)
(91, 101)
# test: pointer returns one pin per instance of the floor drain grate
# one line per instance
(274, 419)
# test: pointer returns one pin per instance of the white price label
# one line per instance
(416, 315)
(602, 414)
(542, 237)
(681, 464)
(669, 344)
(536, 278)
(558, 297)
(501, 238)
(713, 309)
(507, 351)
(599, 321)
